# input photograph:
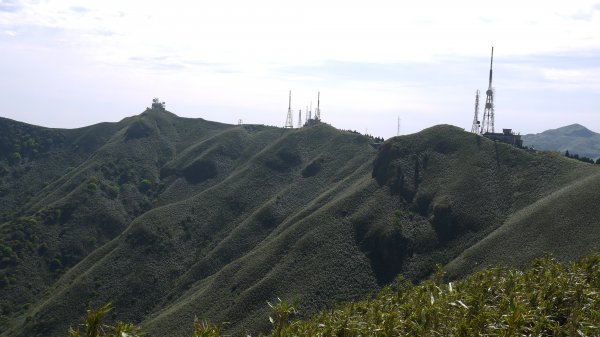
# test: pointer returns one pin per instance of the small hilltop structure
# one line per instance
(485, 127)
(158, 105)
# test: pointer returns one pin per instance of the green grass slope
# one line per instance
(74, 190)
(566, 224)
(31, 157)
(575, 138)
(171, 218)
(545, 299)
(466, 186)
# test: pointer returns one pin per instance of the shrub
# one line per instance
(112, 191)
(200, 170)
(313, 168)
(284, 161)
(55, 264)
(42, 249)
(547, 299)
(92, 187)
(94, 327)
(145, 185)
(15, 158)
(92, 184)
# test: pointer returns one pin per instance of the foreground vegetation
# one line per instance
(547, 299)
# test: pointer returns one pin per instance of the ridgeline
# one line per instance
(170, 218)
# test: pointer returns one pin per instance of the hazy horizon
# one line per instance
(71, 65)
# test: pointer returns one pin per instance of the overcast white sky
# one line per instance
(68, 63)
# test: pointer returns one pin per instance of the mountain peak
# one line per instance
(575, 138)
(575, 130)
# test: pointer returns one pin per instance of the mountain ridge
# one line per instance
(575, 138)
(171, 217)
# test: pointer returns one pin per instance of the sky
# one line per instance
(68, 64)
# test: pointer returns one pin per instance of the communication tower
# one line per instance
(306, 115)
(299, 119)
(488, 114)
(318, 111)
(398, 131)
(476, 122)
(289, 123)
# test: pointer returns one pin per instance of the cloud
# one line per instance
(10, 6)
(157, 62)
(79, 9)
(574, 78)
(173, 62)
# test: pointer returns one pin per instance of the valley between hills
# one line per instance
(172, 218)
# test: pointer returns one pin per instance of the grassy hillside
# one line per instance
(169, 218)
(527, 235)
(575, 138)
(546, 299)
(31, 157)
(466, 186)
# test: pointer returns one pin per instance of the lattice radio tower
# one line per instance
(289, 123)
(318, 111)
(306, 115)
(488, 114)
(476, 122)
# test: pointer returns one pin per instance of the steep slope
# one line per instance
(565, 224)
(76, 194)
(177, 217)
(31, 157)
(575, 138)
(182, 245)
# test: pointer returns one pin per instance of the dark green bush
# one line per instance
(284, 161)
(313, 168)
(200, 170)
(145, 185)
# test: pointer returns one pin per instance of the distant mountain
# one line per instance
(575, 138)
(170, 218)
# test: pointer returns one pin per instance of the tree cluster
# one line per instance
(375, 139)
(582, 158)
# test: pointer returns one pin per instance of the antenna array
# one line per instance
(308, 114)
(289, 123)
(318, 111)
(487, 125)
(476, 122)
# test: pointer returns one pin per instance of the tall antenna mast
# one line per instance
(398, 131)
(318, 111)
(488, 113)
(299, 118)
(310, 111)
(289, 123)
(475, 126)
(306, 115)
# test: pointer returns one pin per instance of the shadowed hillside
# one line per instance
(574, 138)
(171, 218)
